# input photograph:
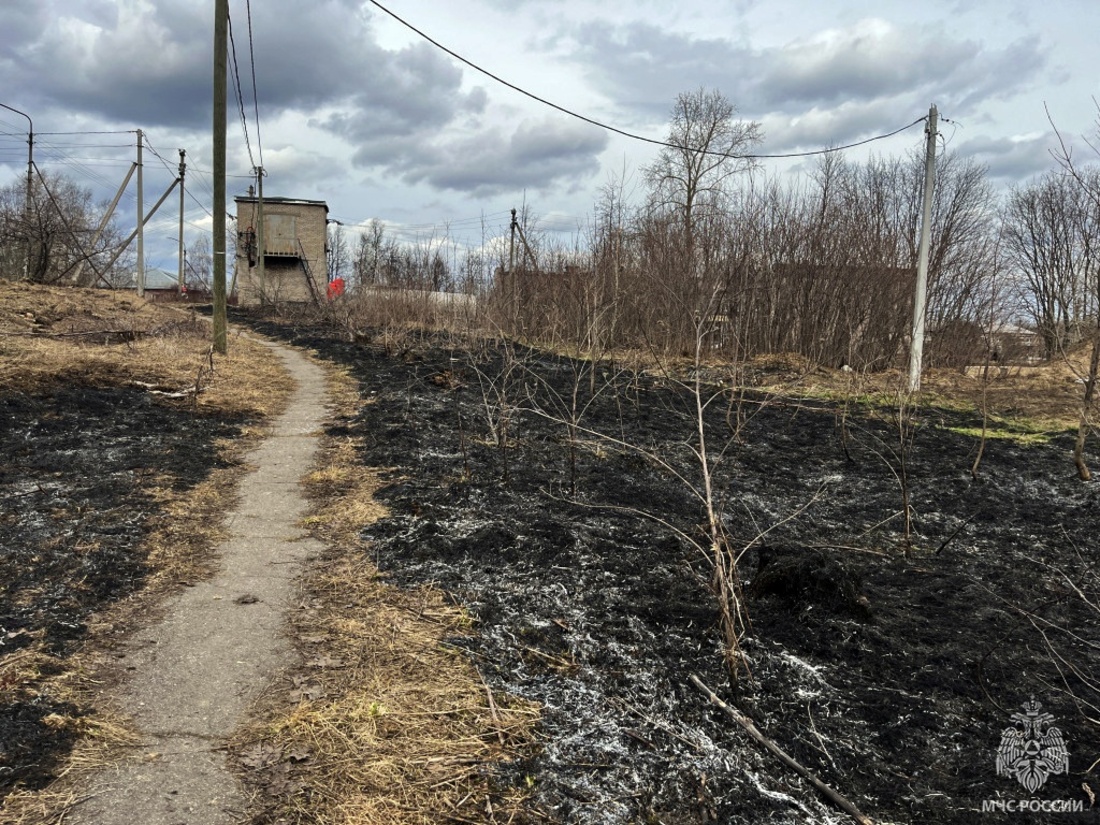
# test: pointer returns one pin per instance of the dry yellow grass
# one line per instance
(1045, 396)
(53, 335)
(384, 723)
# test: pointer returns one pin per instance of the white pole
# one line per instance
(916, 346)
(182, 253)
(140, 222)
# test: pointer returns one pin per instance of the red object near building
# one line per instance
(335, 289)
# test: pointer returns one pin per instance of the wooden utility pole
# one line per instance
(221, 45)
(512, 246)
(140, 221)
(27, 193)
(916, 345)
(259, 228)
(183, 169)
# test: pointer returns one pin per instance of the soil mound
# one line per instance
(804, 578)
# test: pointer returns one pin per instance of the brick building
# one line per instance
(294, 262)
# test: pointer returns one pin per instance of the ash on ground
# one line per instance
(534, 492)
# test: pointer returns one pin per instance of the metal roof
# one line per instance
(291, 201)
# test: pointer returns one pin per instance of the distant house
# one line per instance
(1015, 344)
(156, 280)
(294, 238)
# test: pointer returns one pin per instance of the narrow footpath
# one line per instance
(196, 672)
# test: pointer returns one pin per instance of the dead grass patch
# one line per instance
(101, 739)
(382, 721)
(56, 335)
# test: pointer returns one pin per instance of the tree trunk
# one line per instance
(1084, 425)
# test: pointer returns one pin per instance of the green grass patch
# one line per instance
(1025, 433)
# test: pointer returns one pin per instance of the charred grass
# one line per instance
(122, 437)
(888, 667)
(384, 720)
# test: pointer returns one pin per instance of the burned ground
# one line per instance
(891, 675)
(79, 462)
(116, 428)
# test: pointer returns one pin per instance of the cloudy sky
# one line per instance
(359, 111)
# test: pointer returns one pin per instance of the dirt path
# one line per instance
(196, 671)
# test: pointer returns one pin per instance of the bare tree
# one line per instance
(369, 253)
(1049, 229)
(1088, 182)
(338, 258)
(199, 265)
(707, 149)
(58, 232)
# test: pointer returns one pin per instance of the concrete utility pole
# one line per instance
(916, 345)
(148, 217)
(140, 222)
(99, 232)
(259, 228)
(183, 169)
(27, 193)
(221, 45)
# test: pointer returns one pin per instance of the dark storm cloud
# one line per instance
(536, 156)
(19, 24)
(153, 66)
(405, 111)
(128, 68)
(870, 67)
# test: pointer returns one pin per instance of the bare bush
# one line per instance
(1050, 238)
(56, 234)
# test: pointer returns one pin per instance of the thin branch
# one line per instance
(833, 796)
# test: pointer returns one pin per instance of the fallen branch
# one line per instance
(154, 389)
(837, 799)
(125, 334)
(492, 709)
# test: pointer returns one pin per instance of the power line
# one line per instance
(255, 93)
(74, 160)
(175, 171)
(61, 157)
(439, 225)
(187, 191)
(831, 149)
(240, 96)
(631, 135)
(208, 172)
(101, 132)
(158, 155)
(200, 204)
(90, 145)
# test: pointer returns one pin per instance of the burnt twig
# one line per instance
(833, 796)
